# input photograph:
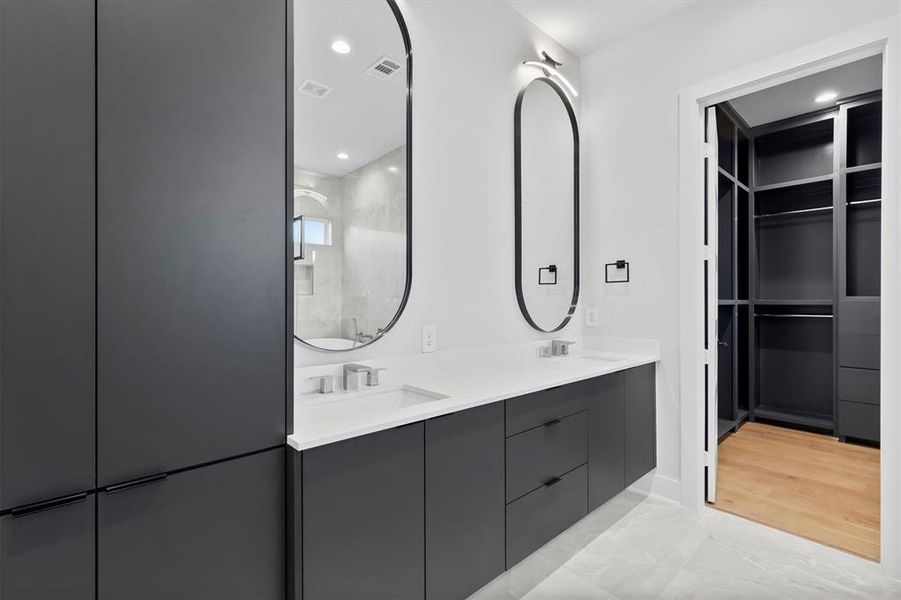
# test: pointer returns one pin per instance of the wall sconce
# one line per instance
(549, 66)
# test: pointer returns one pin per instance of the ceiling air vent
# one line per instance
(384, 68)
(315, 89)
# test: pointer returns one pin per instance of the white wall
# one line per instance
(466, 74)
(630, 165)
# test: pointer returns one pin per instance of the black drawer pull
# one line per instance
(121, 487)
(553, 481)
(24, 511)
(552, 422)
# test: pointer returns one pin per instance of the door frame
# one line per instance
(882, 37)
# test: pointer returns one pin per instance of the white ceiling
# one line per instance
(362, 116)
(583, 26)
(797, 97)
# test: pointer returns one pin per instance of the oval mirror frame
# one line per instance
(517, 169)
(408, 159)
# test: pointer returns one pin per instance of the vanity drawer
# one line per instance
(538, 517)
(532, 410)
(858, 385)
(540, 454)
(858, 420)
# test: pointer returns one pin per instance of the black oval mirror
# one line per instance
(546, 163)
(352, 196)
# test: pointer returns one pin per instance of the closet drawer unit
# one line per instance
(858, 385)
(531, 410)
(858, 420)
(858, 334)
(539, 455)
(858, 350)
(538, 517)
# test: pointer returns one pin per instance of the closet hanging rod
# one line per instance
(859, 202)
(793, 315)
(794, 212)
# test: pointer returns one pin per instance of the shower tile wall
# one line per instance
(358, 281)
(374, 243)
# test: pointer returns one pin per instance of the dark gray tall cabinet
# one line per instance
(47, 251)
(47, 302)
(143, 244)
(803, 238)
(190, 203)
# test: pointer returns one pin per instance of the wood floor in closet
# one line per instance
(804, 483)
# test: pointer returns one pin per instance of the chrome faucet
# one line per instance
(560, 347)
(352, 376)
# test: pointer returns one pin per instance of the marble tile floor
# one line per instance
(637, 547)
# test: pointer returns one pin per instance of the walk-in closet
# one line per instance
(798, 236)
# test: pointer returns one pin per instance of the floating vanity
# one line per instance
(458, 466)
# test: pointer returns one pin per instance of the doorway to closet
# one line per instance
(794, 188)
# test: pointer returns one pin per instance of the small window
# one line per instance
(317, 232)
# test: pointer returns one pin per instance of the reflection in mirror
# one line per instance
(547, 205)
(351, 171)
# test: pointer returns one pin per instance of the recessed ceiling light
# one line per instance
(341, 47)
(343, 155)
(825, 97)
(392, 169)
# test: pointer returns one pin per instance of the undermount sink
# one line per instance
(376, 399)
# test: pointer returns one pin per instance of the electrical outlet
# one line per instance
(592, 317)
(429, 338)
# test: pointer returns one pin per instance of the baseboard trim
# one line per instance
(659, 485)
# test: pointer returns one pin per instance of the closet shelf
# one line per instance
(724, 426)
(795, 301)
(867, 167)
(793, 315)
(795, 212)
(862, 202)
(793, 183)
(815, 420)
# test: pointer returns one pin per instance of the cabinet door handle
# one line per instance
(553, 481)
(121, 487)
(30, 509)
(552, 422)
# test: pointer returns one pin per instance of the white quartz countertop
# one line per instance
(461, 379)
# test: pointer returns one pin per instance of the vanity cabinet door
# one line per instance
(640, 420)
(49, 554)
(47, 250)
(606, 438)
(212, 532)
(363, 517)
(464, 496)
(192, 234)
